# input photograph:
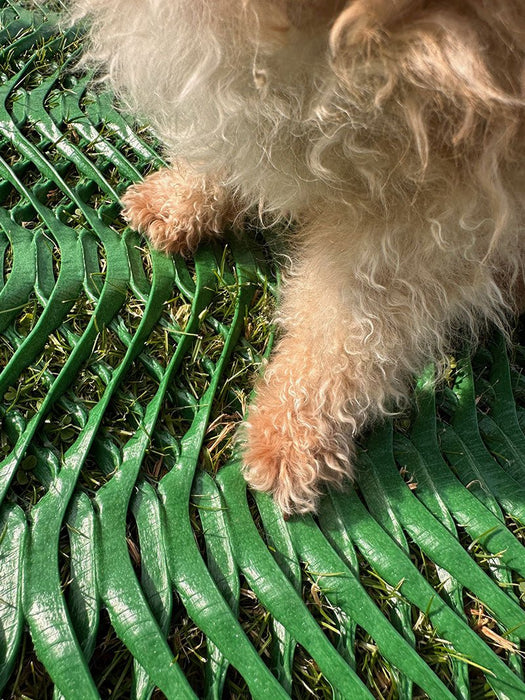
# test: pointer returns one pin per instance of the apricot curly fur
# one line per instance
(392, 132)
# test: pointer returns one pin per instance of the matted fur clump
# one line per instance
(392, 131)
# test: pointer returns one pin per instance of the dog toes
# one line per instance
(292, 460)
(166, 231)
(176, 210)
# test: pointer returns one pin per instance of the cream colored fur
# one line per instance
(391, 131)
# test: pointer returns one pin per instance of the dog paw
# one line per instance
(292, 454)
(175, 210)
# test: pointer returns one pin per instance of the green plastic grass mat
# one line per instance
(132, 560)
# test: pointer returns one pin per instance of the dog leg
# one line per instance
(347, 354)
(176, 208)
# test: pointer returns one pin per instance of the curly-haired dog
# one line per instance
(392, 131)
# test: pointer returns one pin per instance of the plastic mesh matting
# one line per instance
(130, 563)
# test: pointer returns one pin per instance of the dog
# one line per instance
(390, 131)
